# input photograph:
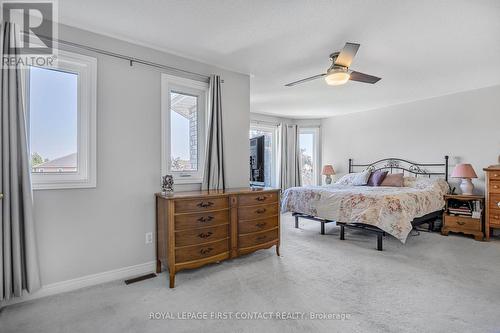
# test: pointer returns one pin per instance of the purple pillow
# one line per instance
(377, 177)
(395, 180)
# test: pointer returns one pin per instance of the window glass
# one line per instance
(53, 115)
(184, 132)
(307, 158)
(269, 134)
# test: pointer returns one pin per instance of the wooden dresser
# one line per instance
(492, 199)
(201, 227)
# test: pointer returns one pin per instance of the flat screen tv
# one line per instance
(257, 161)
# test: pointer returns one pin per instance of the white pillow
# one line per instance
(361, 178)
(346, 179)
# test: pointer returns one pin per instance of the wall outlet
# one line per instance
(149, 237)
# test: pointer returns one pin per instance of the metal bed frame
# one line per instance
(390, 164)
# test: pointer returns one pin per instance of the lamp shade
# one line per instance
(463, 171)
(328, 170)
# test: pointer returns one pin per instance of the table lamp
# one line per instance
(466, 172)
(328, 172)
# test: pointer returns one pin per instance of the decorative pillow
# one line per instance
(361, 178)
(394, 180)
(377, 177)
(346, 179)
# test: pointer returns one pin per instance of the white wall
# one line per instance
(88, 231)
(464, 126)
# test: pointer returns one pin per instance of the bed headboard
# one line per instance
(398, 164)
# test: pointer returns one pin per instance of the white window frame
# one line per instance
(86, 175)
(171, 83)
(316, 151)
(274, 163)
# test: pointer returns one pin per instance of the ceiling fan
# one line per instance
(339, 72)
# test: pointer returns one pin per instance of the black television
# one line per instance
(257, 161)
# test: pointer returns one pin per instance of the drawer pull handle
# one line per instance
(495, 217)
(205, 219)
(260, 210)
(262, 198)
(261, 225)
(498, 204)
(205, 204)
(205, 234)
(495, 175)
(460, 222)
(260, 238)
(206, 250)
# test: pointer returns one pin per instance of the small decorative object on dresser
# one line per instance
(464, 213)
(167, 184)
(466, 172)
(328, 172)
(492, 199)
(202, 227)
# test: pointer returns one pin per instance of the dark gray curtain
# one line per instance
(290, 156)
(213, 178)
(19, 262)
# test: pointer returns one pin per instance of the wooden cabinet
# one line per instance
(201, 227)
(463, 224)
(492, 199)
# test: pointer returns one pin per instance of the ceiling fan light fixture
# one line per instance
(337, 77)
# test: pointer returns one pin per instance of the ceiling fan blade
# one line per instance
(304, 80)
(361, 77)
(347, 54)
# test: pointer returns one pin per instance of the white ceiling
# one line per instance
(421, 49)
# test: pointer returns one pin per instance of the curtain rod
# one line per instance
(172, 70)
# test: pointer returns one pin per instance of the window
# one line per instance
(184, 104)
(270, 150)
(61, 104)
(309, 155)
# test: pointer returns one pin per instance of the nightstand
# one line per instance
(457, 216)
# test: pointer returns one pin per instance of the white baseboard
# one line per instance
(85, 281)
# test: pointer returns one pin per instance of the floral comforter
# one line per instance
(389, 208)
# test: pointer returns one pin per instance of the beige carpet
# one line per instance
(431, 284)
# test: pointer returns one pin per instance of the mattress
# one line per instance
(391, 209)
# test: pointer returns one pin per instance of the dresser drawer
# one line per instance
(494, 175)
(245, 227)
(257, 212)
(200, 220)
(199, 205)
(494, 216)
(459, 222)
(199, 236)
(257, 238)
(196, 252)
(258, 198)
(494, 201)
(494, 186)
